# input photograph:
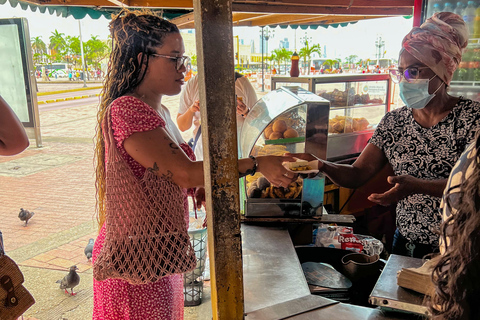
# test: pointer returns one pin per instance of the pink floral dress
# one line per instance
(116, 299)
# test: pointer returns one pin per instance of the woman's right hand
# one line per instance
(272, 169)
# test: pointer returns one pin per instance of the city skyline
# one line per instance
(341, 42)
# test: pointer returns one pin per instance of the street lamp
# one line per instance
(305, 40)
(265, 34)
(380, 45)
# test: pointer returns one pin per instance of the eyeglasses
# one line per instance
(179, 61)
(409, 74)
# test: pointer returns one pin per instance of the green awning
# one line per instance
(312, 26)
(92, 12)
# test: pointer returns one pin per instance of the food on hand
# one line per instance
(280, 126)
(302, 166)
(299, 165)
(290, 133)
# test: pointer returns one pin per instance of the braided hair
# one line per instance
(457, 274)
(134, 34)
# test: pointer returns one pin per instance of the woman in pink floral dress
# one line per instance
(146, 63)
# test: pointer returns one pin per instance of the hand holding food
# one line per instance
(272, 168)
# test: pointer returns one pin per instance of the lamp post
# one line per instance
(83, 56)
(379, 44)
(265, 34)
(305, 40)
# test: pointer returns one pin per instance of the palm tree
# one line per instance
(39, 49)
(285, 56)
(307, 51)
(276, 57)
(57, 44)
(330, 63)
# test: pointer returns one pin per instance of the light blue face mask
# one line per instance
(415, 94)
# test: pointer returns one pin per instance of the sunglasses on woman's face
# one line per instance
(409, 74)
(179, 61)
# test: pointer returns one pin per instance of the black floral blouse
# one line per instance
(425, 153)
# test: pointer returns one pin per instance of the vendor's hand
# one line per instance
(200, 197)
(404, 186)
(195, 107)
(271, 167)
(242, 109)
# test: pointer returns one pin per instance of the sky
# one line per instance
(354, 39)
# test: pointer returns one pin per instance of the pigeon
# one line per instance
(71, 280)
(25, 215)
(89, 248)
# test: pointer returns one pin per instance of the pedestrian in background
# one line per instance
(189, 109)
(13, 138)
(135, 132)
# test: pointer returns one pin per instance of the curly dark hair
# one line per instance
(457, 274)
(133, 33)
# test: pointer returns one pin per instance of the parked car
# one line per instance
(60, 74)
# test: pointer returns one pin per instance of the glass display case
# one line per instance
(289, 119)
(358, 103)
(466, 79)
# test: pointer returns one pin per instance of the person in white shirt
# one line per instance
(189, 109)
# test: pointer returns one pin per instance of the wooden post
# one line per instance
(213, 28)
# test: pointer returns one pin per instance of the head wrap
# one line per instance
(438, 43)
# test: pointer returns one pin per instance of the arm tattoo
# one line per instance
(168, 176)
(154, 169)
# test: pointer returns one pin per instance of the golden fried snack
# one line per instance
(271, 193)
(290, 133)
(279, 192)
(297, 192)
(264, 193)
(279, 126)
(291, 192)
(275, 135)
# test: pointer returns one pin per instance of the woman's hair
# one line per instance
(457, 274)
(133, 33)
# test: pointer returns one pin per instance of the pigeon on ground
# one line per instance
(25, 215)
(89, 248)
(71, 280)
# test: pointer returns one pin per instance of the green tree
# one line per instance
(285, 56)
(307, 51)
(193, 59)
(330, 63)
(57, 45)
(72, 52)
(351, 59)
(95, 51)
(275, 57)
(39, 49)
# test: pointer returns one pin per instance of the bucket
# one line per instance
(193, 280)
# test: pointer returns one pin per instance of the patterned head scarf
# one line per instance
(438, 43)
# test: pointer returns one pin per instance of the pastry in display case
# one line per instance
(357, 104)
(293, 120)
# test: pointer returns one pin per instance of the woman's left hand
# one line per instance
(242, 109)
(404, 186)
(200, 197)
(271, 167)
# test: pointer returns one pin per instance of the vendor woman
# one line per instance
(422, 140)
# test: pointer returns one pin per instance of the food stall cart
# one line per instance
(213, 22)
